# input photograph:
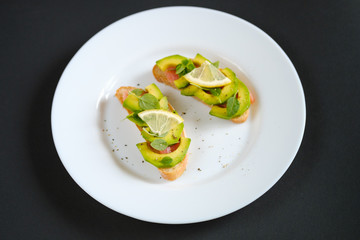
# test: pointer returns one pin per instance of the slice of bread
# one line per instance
(167, 173)
(160, 76)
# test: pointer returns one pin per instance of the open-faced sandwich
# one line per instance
(228, 97)
(166, 144)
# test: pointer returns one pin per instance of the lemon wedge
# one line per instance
(207, 75)
(160, 121)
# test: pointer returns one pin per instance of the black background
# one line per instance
(317, 198)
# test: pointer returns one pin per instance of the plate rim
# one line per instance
(201, 9)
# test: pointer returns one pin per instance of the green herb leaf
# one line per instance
(159, 144)
(190, 67)
(232, 106)
(185, 62)
(137, 92)
(166, 160)
(184, 67)
(215, 91)
(216, 64)
(149, 101)
(179, 68)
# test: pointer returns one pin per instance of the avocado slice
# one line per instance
(171, 137)
(132, 103)
(164, 103)
(136, 119)
(226, 93)
(208, 98)
(244, 101)
(170, 61)
(189, 90)
(166, 160)
(199, 59)
(154, 90)
(181, 82)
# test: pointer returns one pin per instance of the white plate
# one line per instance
(230, 165)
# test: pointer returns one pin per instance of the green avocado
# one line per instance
(170, 61)
(164, 103)
(244, 101)
(199, 59)
(154, 90)
(189, 90)
(208, 98)
(136, 119)
(181, 82)
(171, 137)
(132, 103)
(166, 160)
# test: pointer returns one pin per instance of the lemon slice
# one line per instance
(207, 75)
(160, 121)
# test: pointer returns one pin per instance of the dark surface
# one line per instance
(318, 196)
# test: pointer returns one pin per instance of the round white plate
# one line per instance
(230, 165)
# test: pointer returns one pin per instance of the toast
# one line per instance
(168, 77)
(170, 173)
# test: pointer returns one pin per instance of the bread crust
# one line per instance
(160, 76)
(167, 173)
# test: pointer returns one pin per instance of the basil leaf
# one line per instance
(216, 64)
(137, 92)
(149, 101)
(179, 68)
(184, 67)
(190, 67)
(215, 91)
(185, 62)
(159, 144)
(232, 106)
(166, 160)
